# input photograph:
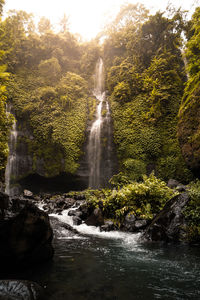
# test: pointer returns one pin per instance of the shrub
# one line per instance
(144, 198)
(192, 211)
(122, 92)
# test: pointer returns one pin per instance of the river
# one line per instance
(117, 266)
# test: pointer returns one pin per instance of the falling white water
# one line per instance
(11, 167)
(126, 237)
(99, 159)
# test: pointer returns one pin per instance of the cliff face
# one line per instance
(189, 132)
(34, 157)
(40, 167)
(49, 94)
(189, 113)
(145, 81)
(50, 127)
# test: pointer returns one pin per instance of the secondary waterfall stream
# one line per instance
(100, 137)
(11, 167)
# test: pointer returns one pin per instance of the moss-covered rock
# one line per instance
(189, 114)
(51, 124)
(189, 130)
(145, 81)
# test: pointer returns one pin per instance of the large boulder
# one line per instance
(25, 237)
(28, 194)
(20, 290)
(96, 218)
(4, 203)
(108, 226)
(168, 224)
(174, 184)
(129, 222)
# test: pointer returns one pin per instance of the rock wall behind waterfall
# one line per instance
(50, 152)
(28, 170)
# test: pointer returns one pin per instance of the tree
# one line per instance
(189, 125)
(156, 35)
(50, 70)
(122, 92)
(2, 2)
(64, 23)
(44, 25)
(5, 120)
(16, 28)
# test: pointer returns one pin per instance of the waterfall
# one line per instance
(100, 136)
(11, 167)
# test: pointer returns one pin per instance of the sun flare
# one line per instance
(87, 17)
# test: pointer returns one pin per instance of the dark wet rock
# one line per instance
(108, 226)
(172, 183)
(96, 218)
(4, 204)
(51, 208)
(129, 223)
(75, 212)
(181, 188)
(2, 186)
(86, 211)
(130, 218)
(37, 198)
(60, 203)
(168, 224)
(76, 220)
(140, 224)
(25, 237)
(69, 202)
(58, 224)
(57, 203)
(79, 197)
(45, 207)
(21, 290)
(58, 211)
(79, 202)
(78, 213)
(71, 212)
(28, 194)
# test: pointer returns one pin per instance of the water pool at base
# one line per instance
(116, 266)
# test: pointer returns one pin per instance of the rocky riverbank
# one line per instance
(169, 225)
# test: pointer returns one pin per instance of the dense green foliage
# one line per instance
(51, 80)
(145, 76)
(5, 120)
(48, 90)
(144, 199)
(192, 212)
(189, 121)
(56, 120)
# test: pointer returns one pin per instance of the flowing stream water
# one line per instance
(116, 266)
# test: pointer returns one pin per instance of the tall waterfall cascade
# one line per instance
(11, 167)
(100, 135)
